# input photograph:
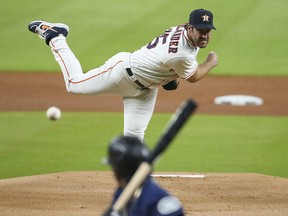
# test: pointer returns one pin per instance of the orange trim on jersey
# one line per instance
(191, 44)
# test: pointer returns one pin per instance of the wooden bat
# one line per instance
(176, 122)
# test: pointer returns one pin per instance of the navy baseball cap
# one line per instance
(201, 19)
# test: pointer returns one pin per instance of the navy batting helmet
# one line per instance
(125, 154)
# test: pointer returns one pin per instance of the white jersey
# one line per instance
(167, 57)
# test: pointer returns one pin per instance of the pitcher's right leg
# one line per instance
(108, 79)
(69, 64)
(55, 35)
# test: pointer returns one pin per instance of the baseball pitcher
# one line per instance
(137, 76)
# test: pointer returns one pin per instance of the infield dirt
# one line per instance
(88, 193)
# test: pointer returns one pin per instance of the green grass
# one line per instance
(231, 144)
(30, 144)
(250, 37)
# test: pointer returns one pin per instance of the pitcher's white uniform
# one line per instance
(134, 76)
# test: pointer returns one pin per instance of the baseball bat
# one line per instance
(175, 123)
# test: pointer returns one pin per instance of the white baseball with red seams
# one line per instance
(53, 113)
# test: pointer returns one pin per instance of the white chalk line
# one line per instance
(178, 175)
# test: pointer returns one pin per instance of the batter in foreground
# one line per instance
(125, 155)
(137, 76)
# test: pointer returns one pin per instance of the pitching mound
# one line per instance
(88, 193)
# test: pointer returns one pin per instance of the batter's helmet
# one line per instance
(125, 154)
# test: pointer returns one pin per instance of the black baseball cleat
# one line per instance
(48, 31)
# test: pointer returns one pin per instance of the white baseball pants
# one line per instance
(109, 79)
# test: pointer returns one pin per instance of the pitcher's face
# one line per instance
(199, 37)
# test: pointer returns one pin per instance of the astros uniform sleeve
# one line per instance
(184, 67)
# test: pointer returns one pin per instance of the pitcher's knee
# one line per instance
(74, 89)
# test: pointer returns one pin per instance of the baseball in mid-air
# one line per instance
(53, 113)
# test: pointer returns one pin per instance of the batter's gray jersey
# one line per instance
(167, 57)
